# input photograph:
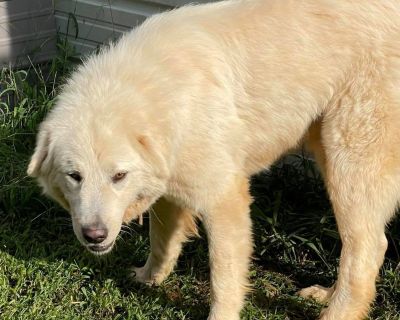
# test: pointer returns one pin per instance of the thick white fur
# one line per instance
(196, 100)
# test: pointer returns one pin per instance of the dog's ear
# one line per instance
(41, 152)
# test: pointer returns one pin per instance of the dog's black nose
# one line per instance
(94, 234)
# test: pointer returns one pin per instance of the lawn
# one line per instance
(46, 274)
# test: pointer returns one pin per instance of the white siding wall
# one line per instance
(90, 23)
(27, 27)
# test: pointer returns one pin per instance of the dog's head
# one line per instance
(95, 167)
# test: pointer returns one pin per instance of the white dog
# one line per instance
(192, 103)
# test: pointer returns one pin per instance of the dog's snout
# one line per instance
(94, 234)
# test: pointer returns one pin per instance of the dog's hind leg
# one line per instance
(363, 202)
(170, 227)
(362, 173)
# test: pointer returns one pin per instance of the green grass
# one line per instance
(46, 274)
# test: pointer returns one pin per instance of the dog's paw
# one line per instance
(317, 292)
(143, 275)
(148, 275)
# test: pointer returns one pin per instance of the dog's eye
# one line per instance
(119, 176)
(76, 176)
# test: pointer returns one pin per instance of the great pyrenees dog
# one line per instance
(180, 112)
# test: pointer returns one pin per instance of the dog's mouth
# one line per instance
(100, 249)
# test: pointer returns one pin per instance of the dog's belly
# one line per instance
(275, 137)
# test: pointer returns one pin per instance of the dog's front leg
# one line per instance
(228, 226)
(170, 226)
